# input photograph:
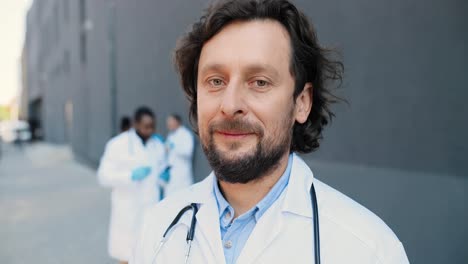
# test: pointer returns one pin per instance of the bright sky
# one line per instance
(12, 22)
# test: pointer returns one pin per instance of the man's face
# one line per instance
(245, 100)
(145, 127)
(172, 123)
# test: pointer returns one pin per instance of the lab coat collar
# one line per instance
(134, 138)
(296, 201)
(297, 198)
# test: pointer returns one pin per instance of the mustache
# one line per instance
(236, 125)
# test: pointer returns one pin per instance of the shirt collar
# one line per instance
(224, 207)
(276, 191)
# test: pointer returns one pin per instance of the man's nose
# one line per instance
(233, 101)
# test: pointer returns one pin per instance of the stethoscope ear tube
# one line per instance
(177, 218)
(313, 199)
(191, 232)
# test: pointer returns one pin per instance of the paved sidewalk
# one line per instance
(52, 209)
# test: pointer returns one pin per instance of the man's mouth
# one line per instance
(234, 134)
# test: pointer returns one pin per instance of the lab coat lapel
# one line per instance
(139, 152)
(295, 200)
(208, 225)
(135, 144)
(266, 230)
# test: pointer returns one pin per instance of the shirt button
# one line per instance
(228, 244)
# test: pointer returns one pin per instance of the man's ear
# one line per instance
(304, 103)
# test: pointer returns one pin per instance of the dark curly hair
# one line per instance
(309, 61)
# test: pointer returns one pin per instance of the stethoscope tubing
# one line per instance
(313, 198)
(190, 234)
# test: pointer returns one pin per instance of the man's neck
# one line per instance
(243, 196)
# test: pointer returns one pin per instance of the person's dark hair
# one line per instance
(309, 61)
(142, 111)
(176, 117)
(125, 123)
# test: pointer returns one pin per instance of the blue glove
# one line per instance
(158, 137)
(165, 176)
(169, 145)
(140, 173)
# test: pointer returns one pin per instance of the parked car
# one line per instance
(15, 131)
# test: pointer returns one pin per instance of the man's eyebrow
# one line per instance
(216, 67)
(259, 68)
(249, 69)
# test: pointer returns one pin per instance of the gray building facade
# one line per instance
(398, 147)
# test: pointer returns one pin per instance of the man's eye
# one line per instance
(261, 83)
(216, 82)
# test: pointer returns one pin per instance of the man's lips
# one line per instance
(234, 134)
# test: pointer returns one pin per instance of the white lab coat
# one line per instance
(284, 234)
(180, 144)
(122, 155)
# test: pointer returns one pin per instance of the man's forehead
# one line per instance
(146, 118)
(256, 44)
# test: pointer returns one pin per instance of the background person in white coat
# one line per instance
(259, 87)
(130, 165)
(179, 147)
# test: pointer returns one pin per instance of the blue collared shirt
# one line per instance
(235, 232)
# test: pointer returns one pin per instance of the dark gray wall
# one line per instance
(97, 70)
(56, 75)
(406, 65)
(80, 83)
(398, 147)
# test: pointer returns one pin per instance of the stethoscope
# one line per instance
(191, 232)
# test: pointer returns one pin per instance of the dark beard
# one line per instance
(250, 167)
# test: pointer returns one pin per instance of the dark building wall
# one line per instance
(406, 66)
(396, 148)
(32, 45)
(80, 89)
(51, 75)
(97, 70)
(34, 75)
